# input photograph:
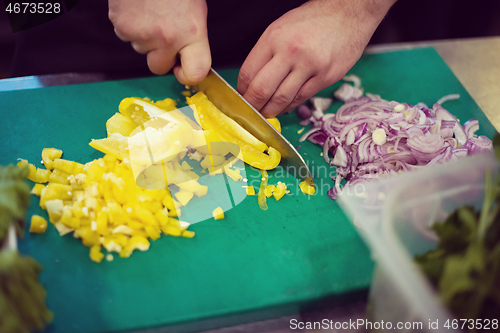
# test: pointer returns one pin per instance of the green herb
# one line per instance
(22, 297)
(14, 199)
(465, 265)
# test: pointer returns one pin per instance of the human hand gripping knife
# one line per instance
(233, 105)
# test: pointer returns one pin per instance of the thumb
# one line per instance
(195, 62)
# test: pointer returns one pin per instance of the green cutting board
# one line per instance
(251, 265)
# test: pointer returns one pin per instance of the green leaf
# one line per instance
(459, 271)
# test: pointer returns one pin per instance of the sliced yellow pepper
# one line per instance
(275, 123)
(205, 108)
(261, 198)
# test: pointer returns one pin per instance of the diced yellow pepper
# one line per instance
(171, 230)
(38, 224)
(306, 188)
(102, 223)
(172, 205)
(49, 155)
(218, 213)
(184, 197)
(269, 190)
(110, 162)
(40, 176)
(145, 216)
(88, 237)
(54, 209)
(134, 243)
(250, 190)
(37, 189)
(152, 232)
(35, 174)
(152, 206)
(187, 234)
(134, 224)
(95, 253)
(59, 176)
(70, 167)
(162, 216)
(279, 191)
(68, 219)
(233, 174)
(193, 186)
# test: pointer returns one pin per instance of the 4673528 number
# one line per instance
(478, 324)
(33, 8)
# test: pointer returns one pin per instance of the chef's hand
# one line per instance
(166, 30)
(306, 50)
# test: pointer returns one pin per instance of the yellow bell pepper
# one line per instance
(307, 188)
(279, 191)
(224, 129)
(268, 191)
(49, 155)
(250, 190)
(38, 224)
(218, 213)
(95, 253)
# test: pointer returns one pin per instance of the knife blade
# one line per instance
(232, 104)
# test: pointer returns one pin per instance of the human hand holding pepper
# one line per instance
(306, 50)
(166, 30)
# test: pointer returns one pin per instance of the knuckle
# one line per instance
(258, 93)
(167, 36)
(281, 99)
(244, 77)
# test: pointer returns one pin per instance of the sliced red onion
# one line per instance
(347, 93)
(319, 138)
(470, 127)
(356, 80)
(303, 112)
(340, 158)
(320, 104)
(447, 98)
(459, 133)
(415, 136)
(478, 145)
(306, 134)
(305, 122)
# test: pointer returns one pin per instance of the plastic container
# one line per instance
(393, 217)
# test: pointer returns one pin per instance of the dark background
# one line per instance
(44, 49)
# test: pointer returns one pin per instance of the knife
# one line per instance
(232, 104)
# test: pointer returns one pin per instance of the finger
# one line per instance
(257, 58)
(310, 88)
(121, 36)
(195, 63)
(285, 93)
(142, 47)
(265, 83)
(160, 61)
